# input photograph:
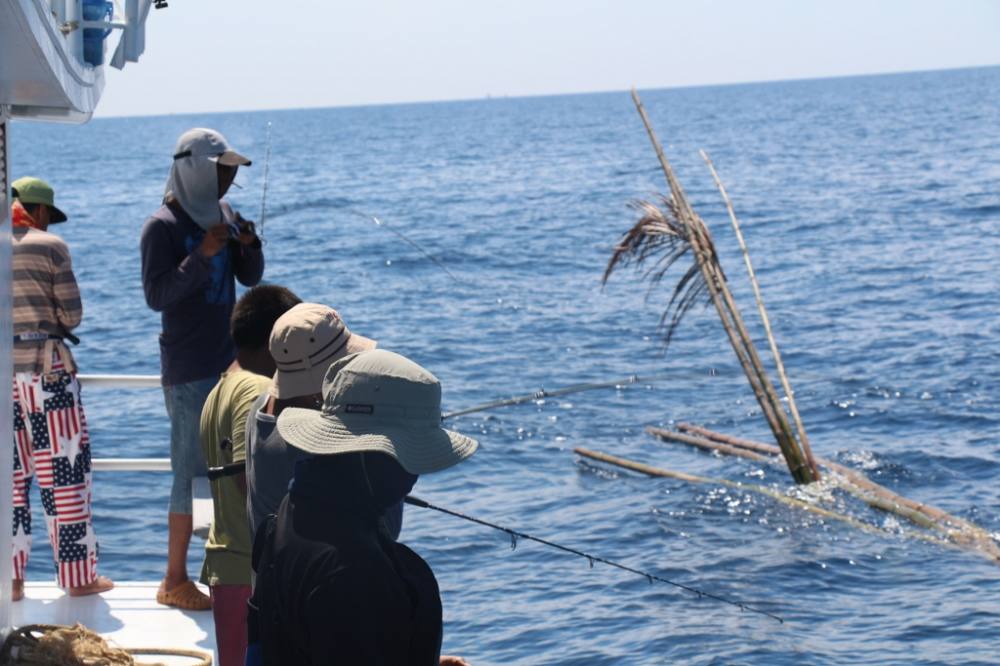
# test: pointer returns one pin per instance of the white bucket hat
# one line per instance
(383, 402)
(304, 342)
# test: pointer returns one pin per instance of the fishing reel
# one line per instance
(160, 4)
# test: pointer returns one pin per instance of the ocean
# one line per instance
(871, 208)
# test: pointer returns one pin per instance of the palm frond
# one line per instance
(654, 245)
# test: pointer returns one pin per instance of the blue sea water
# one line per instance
(871, 207)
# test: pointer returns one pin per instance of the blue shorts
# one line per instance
(184, 403)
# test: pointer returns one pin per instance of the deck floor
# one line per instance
(128, 615)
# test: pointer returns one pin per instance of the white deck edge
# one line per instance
(128, 616)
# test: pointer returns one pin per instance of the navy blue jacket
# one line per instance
(195, 295)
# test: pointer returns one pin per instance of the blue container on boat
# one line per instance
(93, 38)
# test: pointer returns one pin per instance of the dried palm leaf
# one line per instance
(654, 244)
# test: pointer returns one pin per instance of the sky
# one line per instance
(235, 55)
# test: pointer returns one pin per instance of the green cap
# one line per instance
(30, 190)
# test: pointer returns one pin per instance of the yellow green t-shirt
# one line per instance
(224, 416)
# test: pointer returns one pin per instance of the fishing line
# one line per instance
(542, 393)
(579, 388)
(515, 535)
(414, 244)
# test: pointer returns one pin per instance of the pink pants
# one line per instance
(229, 610)
(51, 444)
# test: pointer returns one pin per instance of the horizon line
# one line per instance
(721, 84)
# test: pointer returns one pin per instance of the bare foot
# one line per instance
(17, 591)
(100, 584)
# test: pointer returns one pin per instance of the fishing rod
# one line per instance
(233, 469)
(263, 193)
(413, 243)
(515, 535)
(542, 393)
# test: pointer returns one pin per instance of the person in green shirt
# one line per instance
(226, 570)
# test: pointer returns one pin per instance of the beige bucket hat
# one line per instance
(383, 402)
(304, 342)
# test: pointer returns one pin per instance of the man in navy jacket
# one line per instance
(193, 249)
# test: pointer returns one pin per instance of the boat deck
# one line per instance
(128, 615)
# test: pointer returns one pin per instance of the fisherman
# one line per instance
(51, 441)
(223, 439)
(192, 248)
(304, 343)
(331, 586)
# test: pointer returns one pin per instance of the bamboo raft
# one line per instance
(662, 236)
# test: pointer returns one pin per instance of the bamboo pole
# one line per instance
(730, 317)
(649, 470)
(855, 477)
(701, 255)
(779, 364)
(876, 500)
(709, 445)
(797, 462)
(706, 265)
(760, 447)
(956, 529)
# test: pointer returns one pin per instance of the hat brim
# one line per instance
(233, 158)
(55, 215)
(285, 384)
(419, 450)
(359, 343)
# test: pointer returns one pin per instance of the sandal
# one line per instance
(185, 596)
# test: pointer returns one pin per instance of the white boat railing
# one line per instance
(130, 464)
(120, 381)
(125, 464)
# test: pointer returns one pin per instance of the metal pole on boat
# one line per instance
(74, 39)
(6, 373)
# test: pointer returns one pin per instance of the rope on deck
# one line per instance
(56, 645)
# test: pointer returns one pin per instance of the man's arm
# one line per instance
(164, 281)
(69, 307)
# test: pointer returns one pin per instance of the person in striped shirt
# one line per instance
(51, 442)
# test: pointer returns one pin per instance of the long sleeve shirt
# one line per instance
(331, 590)
(194, 294)
(46, 296)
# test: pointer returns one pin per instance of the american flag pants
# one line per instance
(51, 444)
